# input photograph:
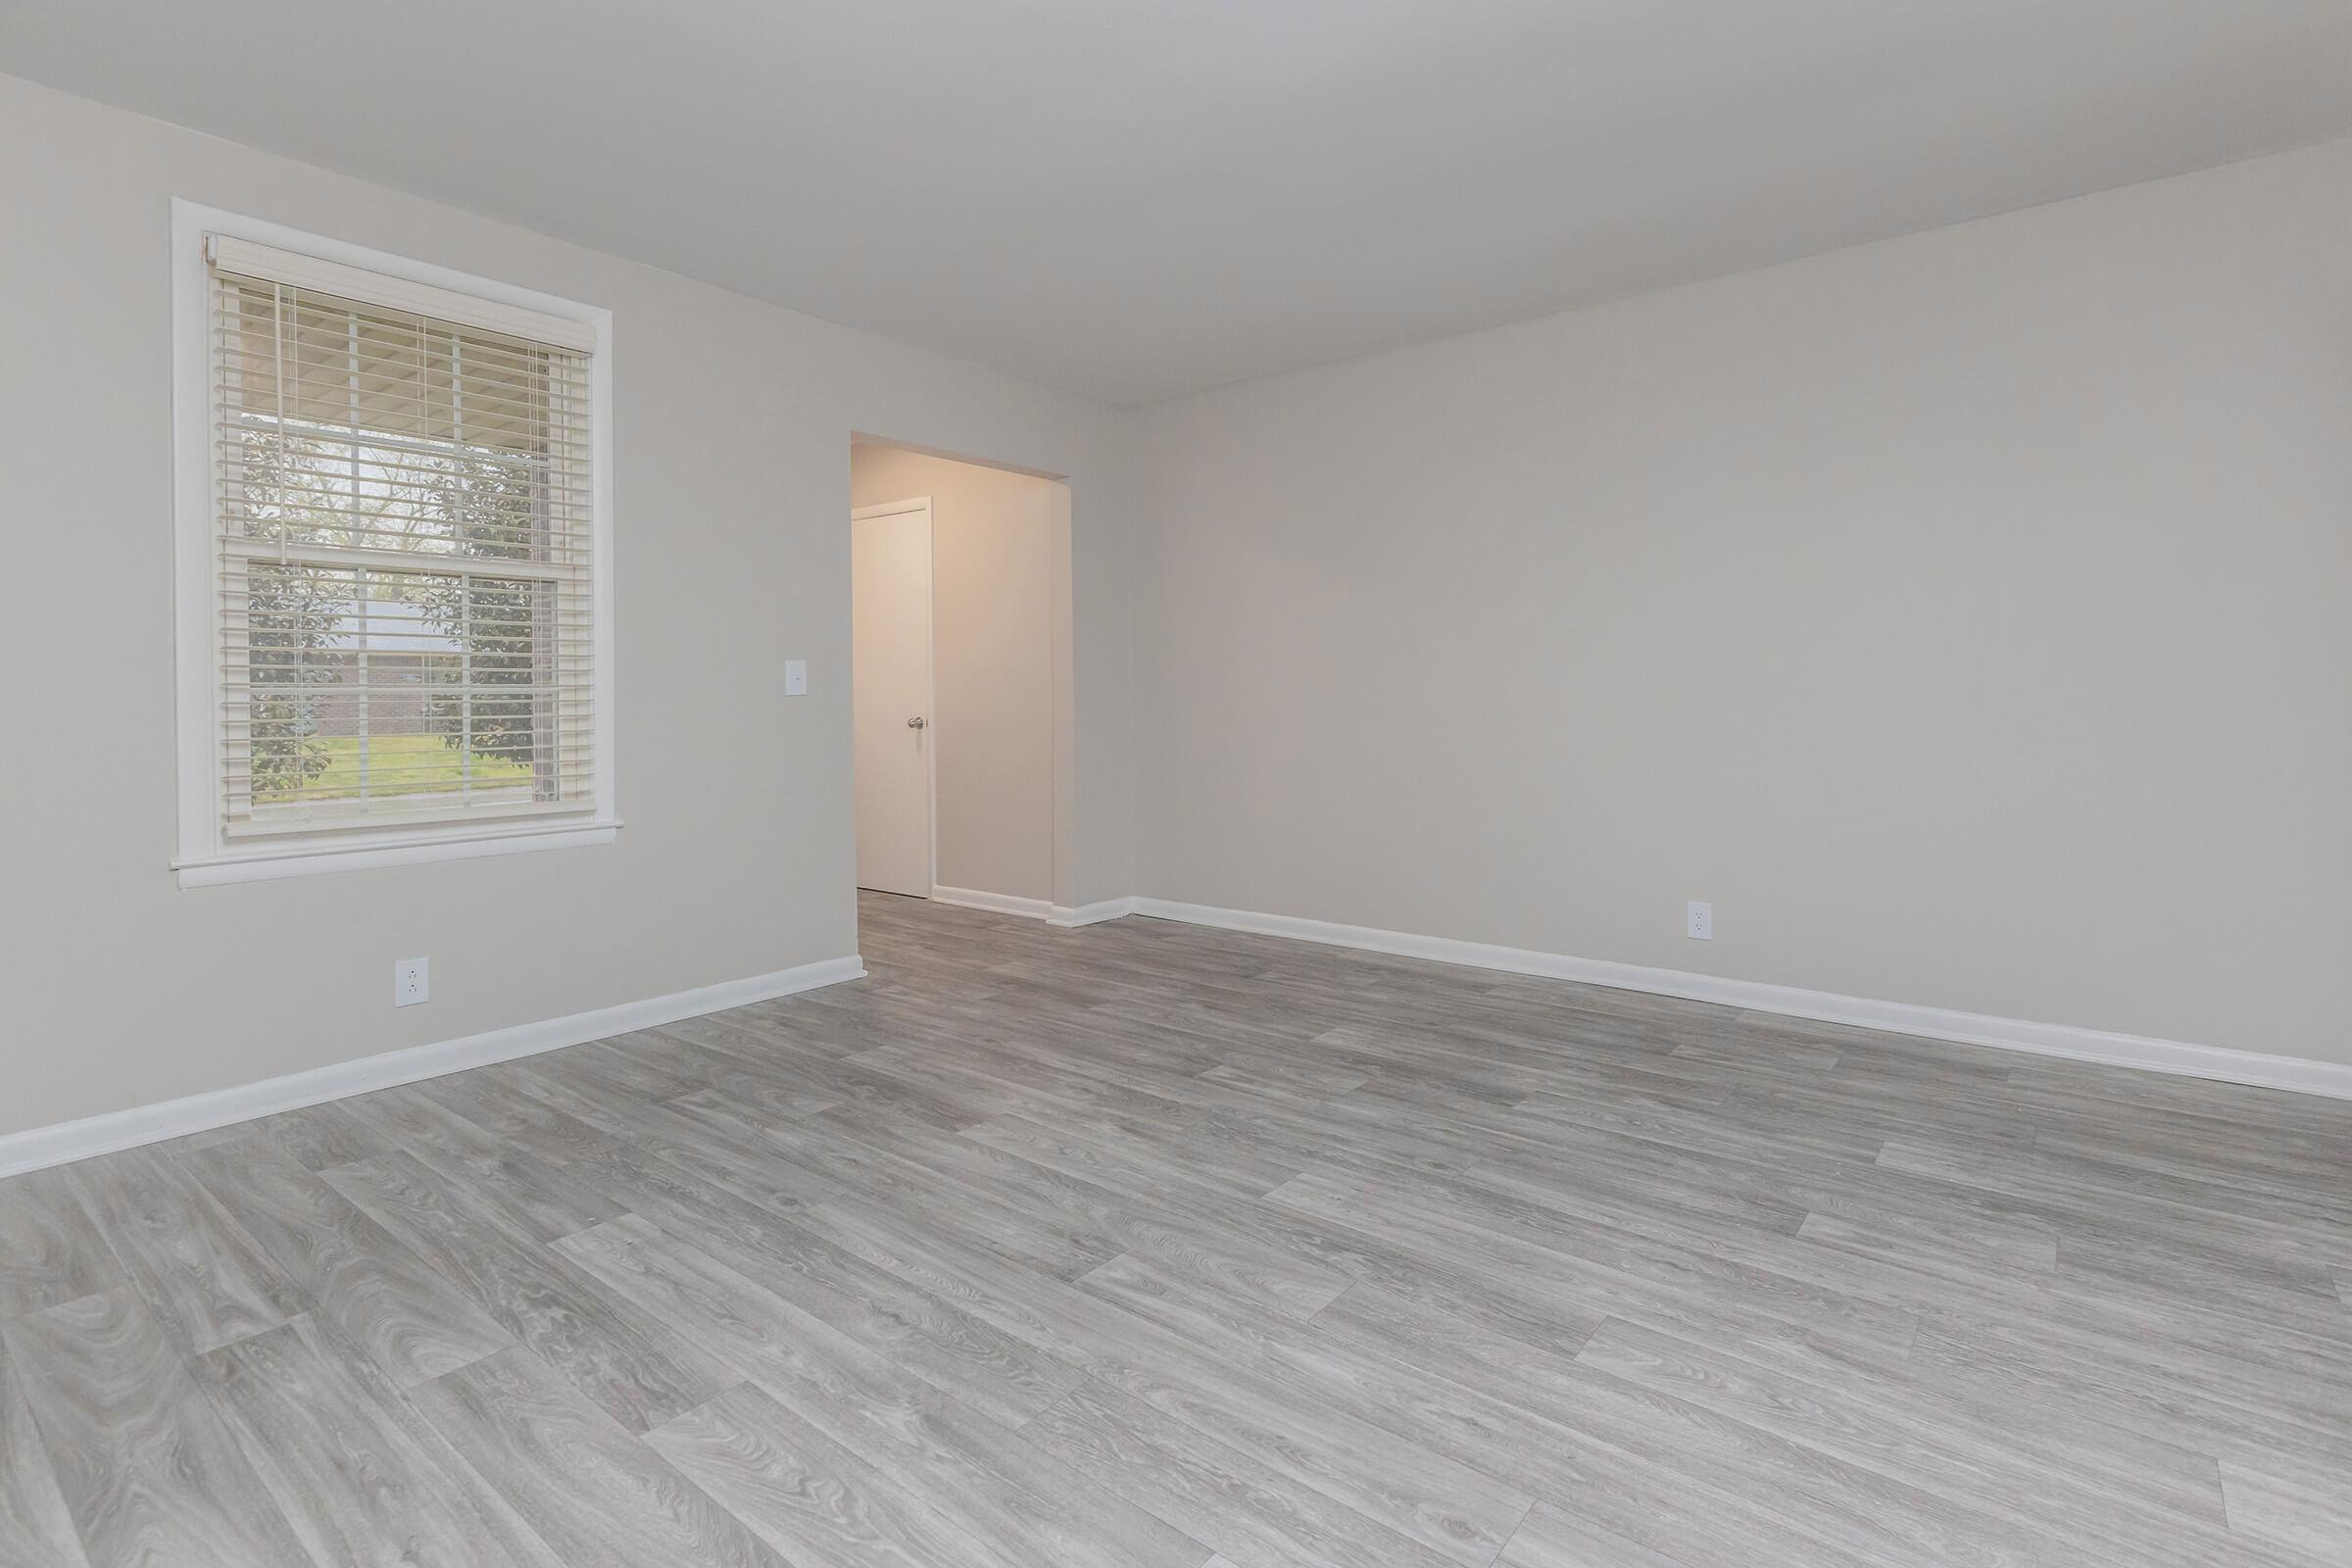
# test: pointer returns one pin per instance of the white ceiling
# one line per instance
(1135, 198)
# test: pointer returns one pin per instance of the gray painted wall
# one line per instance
(1966, 616)
(733, 420)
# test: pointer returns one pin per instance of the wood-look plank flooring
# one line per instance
(1156, 1245)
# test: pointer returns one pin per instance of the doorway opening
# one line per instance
(960, 668)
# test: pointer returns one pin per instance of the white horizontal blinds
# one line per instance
(405, 545)
(246, 258)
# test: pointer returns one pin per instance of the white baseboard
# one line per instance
(1089, 913)
(1000, 902)
(221, 1107)
(2293, 1073)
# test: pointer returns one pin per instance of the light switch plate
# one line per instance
(796, 678)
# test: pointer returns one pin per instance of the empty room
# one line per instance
(1517, 784)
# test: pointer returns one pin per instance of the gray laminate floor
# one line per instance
(1151, 1244)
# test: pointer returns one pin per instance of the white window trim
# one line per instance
(206, 856)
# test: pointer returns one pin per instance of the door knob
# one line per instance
(915, 723)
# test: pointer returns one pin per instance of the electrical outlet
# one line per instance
(1698, 921)
(411, 981)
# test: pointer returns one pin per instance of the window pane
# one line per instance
(401, 690)
(347, 426)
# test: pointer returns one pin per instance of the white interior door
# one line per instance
(890, 606)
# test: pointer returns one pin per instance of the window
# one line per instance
(394, 562)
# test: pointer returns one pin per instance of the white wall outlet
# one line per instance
(1698, 921)
(411, 981)
(796, 678)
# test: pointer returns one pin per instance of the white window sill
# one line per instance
(268, 863)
